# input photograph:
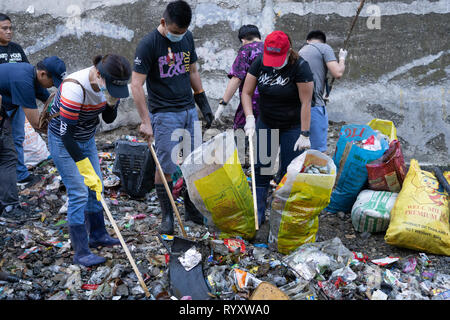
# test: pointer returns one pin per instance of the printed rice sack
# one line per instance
(357, 146)
(372, 210)
(218, 187)
(298, 200)
(420, 217)
(34, 148)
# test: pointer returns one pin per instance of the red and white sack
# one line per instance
(34, 148)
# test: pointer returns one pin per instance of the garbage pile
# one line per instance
(36, 255)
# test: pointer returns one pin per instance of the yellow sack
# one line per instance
(420, 217)
(386, 127)
(218, 187)
(298, 200)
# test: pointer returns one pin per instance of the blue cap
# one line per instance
(57, 68)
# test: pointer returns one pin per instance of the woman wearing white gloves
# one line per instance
(285, 84)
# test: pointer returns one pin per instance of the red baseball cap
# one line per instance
(276, 47)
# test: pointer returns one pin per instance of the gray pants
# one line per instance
(8, 161)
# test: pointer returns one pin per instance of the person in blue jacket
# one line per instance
(20, 85)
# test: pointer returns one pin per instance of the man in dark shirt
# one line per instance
(165, 59)
(20, 85)
(11, 52)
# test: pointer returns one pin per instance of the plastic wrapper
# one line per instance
(420, 217)
(190, 258)
(218, 187)
(312, 259)
(371, 211)
(350, 160)
(244, 280)
(298, 200)
(388, 172)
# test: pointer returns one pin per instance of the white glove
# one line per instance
(249, 125)
(110, 100)
(302, 143)
(219, 112)
(342, 54)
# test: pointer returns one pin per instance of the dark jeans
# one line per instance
(268, 142)
(8, 160)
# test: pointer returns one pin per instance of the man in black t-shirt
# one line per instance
(11, 52)
(165, 59)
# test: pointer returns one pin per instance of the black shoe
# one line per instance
(29, 181)
(18, 213)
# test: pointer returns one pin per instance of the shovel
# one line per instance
(185, 283)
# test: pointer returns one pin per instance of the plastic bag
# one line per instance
(355, 148)
(372, 210)
(218, 186)
(299, 199)
(420, 217)
(386, 127)
(388, 172)
(34, 148)
(313, 259)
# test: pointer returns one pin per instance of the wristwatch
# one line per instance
(305, 133)
(222, 102)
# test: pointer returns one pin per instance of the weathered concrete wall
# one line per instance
(398, 64)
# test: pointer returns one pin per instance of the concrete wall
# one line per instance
(398, 64)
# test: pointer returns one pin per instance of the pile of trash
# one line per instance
(36, 256)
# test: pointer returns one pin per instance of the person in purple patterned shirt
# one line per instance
(252, 48)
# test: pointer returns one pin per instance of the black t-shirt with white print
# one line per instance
(166, 65)
(279, 103)
(12, 53)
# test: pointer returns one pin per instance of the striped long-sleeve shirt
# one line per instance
(81, 115)
(78, 112)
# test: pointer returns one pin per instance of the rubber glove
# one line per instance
(342, 54)
(91, 179)
(219, 112)
(203, 104)
(302, 143)
(249, 125)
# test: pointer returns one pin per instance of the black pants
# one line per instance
(8, 161)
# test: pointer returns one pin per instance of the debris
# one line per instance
(190, 258)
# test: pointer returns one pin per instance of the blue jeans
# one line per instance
(319, 128)
(267, 150)
(164, 125)
(81, 198)
(18, 132)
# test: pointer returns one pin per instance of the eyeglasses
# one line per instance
(7, 28)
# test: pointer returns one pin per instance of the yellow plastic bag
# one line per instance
(298, 200)
(218, 187)
(420, 217)
(386, 127)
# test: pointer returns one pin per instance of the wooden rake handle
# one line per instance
(125, 247)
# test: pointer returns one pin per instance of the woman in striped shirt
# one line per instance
(81, 98)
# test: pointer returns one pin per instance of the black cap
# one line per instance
(117, 87)
(57, 68)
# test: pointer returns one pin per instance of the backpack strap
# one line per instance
(73, 81)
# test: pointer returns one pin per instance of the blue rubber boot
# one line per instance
(79, 239)
(98, 236)
(261, 198)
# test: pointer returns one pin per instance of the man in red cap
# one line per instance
(285, 84)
